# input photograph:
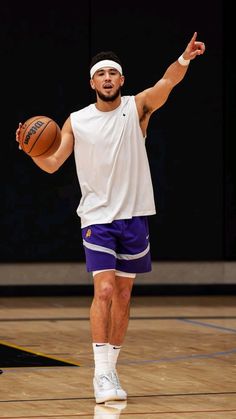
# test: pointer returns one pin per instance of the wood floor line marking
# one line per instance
(37, 368)
(10, 345)
(143, 361)
(45, 319)
(209, 325)
(222, 393)
(127, 413)
(181, 358)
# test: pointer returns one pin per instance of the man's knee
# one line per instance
(124, 285)
(104, 286)
(123, 294)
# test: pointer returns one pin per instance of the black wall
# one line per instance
(45, 55)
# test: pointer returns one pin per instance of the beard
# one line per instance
(109, 98)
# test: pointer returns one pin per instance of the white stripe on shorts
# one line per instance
(121, 256)
(118, 273)
(132, 257)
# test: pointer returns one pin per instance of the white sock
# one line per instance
(100, 352)
(113, 353)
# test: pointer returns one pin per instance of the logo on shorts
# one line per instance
(88, 232)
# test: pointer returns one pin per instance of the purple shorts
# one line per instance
(122, 245)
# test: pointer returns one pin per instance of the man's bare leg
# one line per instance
(109, 315)
(104, 386)
(120, 310)
(104, 286)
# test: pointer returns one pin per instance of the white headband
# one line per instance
(105, 63)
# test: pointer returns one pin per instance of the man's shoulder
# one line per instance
(127, 100)
(83, 110)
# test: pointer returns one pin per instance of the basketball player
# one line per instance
(108, 141)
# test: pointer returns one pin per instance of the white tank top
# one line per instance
(111, 163)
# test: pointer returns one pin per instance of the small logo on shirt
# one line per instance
(88, 233)
(124, 114)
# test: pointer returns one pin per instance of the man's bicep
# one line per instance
(157, 95)
(67, 144)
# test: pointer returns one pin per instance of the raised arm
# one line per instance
(53, 163)
(153, 98)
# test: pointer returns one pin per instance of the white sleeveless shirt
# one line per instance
(111, 163)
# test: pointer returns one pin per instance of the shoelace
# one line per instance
(103, 378)
(116, 380)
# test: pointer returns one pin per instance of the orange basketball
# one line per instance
(39, 136)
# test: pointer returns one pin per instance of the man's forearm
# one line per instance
(175, 73)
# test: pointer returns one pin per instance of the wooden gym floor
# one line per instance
(178, 360)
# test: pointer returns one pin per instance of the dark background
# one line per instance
(45, 54)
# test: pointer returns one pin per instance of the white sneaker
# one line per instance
(121, 394)
(104, 388)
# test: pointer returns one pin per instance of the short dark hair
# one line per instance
(104, 55)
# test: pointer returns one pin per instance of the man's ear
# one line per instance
(92, 84)
(122, 80)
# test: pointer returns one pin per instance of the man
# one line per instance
(108, 140)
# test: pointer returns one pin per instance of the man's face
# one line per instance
(107, 83)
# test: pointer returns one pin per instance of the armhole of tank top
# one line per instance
(72, 125)
(136, 110)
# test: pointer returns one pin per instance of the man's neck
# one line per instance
(104, 106)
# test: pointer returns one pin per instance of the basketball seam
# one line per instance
(38, 155)
(39, 137)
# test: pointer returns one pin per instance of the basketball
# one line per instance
(39, 136)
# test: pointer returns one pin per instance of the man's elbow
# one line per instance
(49, 165)
(52, 169)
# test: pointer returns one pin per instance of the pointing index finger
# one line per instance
(193, 39)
